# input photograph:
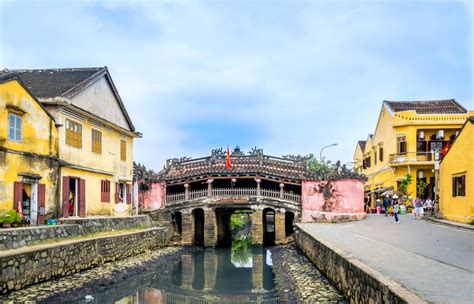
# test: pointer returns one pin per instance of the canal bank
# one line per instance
(379, 260)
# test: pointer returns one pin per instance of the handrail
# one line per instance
(411, 157)
(232, 192)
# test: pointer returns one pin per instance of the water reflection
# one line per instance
(238, 274)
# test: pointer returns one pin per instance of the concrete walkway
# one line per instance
(435, 262)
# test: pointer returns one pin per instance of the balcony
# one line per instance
(175, 198)
(411, 158)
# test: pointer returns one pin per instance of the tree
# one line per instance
(420, 188)
(405, 183)
(322, 167)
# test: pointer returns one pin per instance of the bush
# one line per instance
(10, 216)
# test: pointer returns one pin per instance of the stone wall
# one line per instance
(28, 266)
(346, 201)
(13, 238)
(358, 282)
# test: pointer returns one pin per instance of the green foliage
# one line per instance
(10, 216)
(405, 183)
(236, 221)
(322, 167)
(241, 251)
(420, 187)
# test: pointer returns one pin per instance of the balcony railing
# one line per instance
(232, 192)
(411, 157)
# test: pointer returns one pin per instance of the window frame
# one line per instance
(96, 145)
(75, 137)
(15, 118)
(105, 191)
(123, 150)
(459, 185)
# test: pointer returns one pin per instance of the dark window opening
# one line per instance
(198, 216)
(459, 185)
(289, 223)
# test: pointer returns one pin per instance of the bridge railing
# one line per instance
(232, 192)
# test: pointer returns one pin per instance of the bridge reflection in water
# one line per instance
(223, 275)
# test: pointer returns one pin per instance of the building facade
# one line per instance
(406, 138)
(29, 164)
(456, 201)
(95, 141)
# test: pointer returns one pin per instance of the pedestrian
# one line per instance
(396, 208)
(418, 208)
(378, 206)
(429, 205)
(386, 204)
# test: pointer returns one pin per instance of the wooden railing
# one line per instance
(232, 192)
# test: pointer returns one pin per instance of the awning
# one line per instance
(378, 191)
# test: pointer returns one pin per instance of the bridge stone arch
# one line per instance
(256, 182)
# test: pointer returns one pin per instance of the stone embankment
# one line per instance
(30, 265)
(298, 281)
(14, 238)
(75, 287)
(358, 282)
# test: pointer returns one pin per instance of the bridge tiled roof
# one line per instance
(444, 106)
(241, 165)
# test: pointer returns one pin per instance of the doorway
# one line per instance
(74, 196)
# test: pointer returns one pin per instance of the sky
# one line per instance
(289, 77)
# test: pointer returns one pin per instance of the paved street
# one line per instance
(434, 261)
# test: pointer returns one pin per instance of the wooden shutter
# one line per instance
(117, 198)
(65, 196)
(82, 198)
(41, 203)
(107, 193)
(454, 186)
(129, 194)
(17, 195)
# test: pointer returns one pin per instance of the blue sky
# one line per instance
(287, 76)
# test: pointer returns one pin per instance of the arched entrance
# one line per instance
(198, 217)
(289, 222)
(177, 223)
(268, 227)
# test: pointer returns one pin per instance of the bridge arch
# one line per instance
(198, 220)
(289, 223)
(268, 221)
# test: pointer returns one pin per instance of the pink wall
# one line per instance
(154, 197)
(347, 199)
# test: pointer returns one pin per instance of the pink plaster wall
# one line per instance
(348, 199)
(154, 197)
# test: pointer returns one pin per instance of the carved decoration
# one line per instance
(329, 193)
(176, 161)
(296, 158)
(237, 152)
(255, 151)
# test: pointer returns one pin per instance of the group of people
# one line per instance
(420, 206)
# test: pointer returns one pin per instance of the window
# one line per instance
(375, 157)
(96, 141)
(381, 154)
(459, 185)
(367, 162)
(14, 127)
(105, 191)
(123, 150)
(73, 134)
(402, 145)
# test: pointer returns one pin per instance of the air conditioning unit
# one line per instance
(421, 135)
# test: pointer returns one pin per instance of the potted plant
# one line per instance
(10, 217)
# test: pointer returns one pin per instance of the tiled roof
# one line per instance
(244, 165)
(362, 143)
(445, 106)
(471, 119)
(50, 83)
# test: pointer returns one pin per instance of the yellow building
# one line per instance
(456, 199)
(95, 138)
(29, 165)
(406, 138)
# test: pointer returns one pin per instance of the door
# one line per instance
(82, 198)
(41, 203)
(17, 196)
(66, 196)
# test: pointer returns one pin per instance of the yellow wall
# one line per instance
(458, 161)
(39, 141)
(384, 174)
(93, 167)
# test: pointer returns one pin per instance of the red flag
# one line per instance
(445, 149)
(228, 163)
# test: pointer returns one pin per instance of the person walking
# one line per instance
(386, 204)
(418, 208)
(396, 208)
